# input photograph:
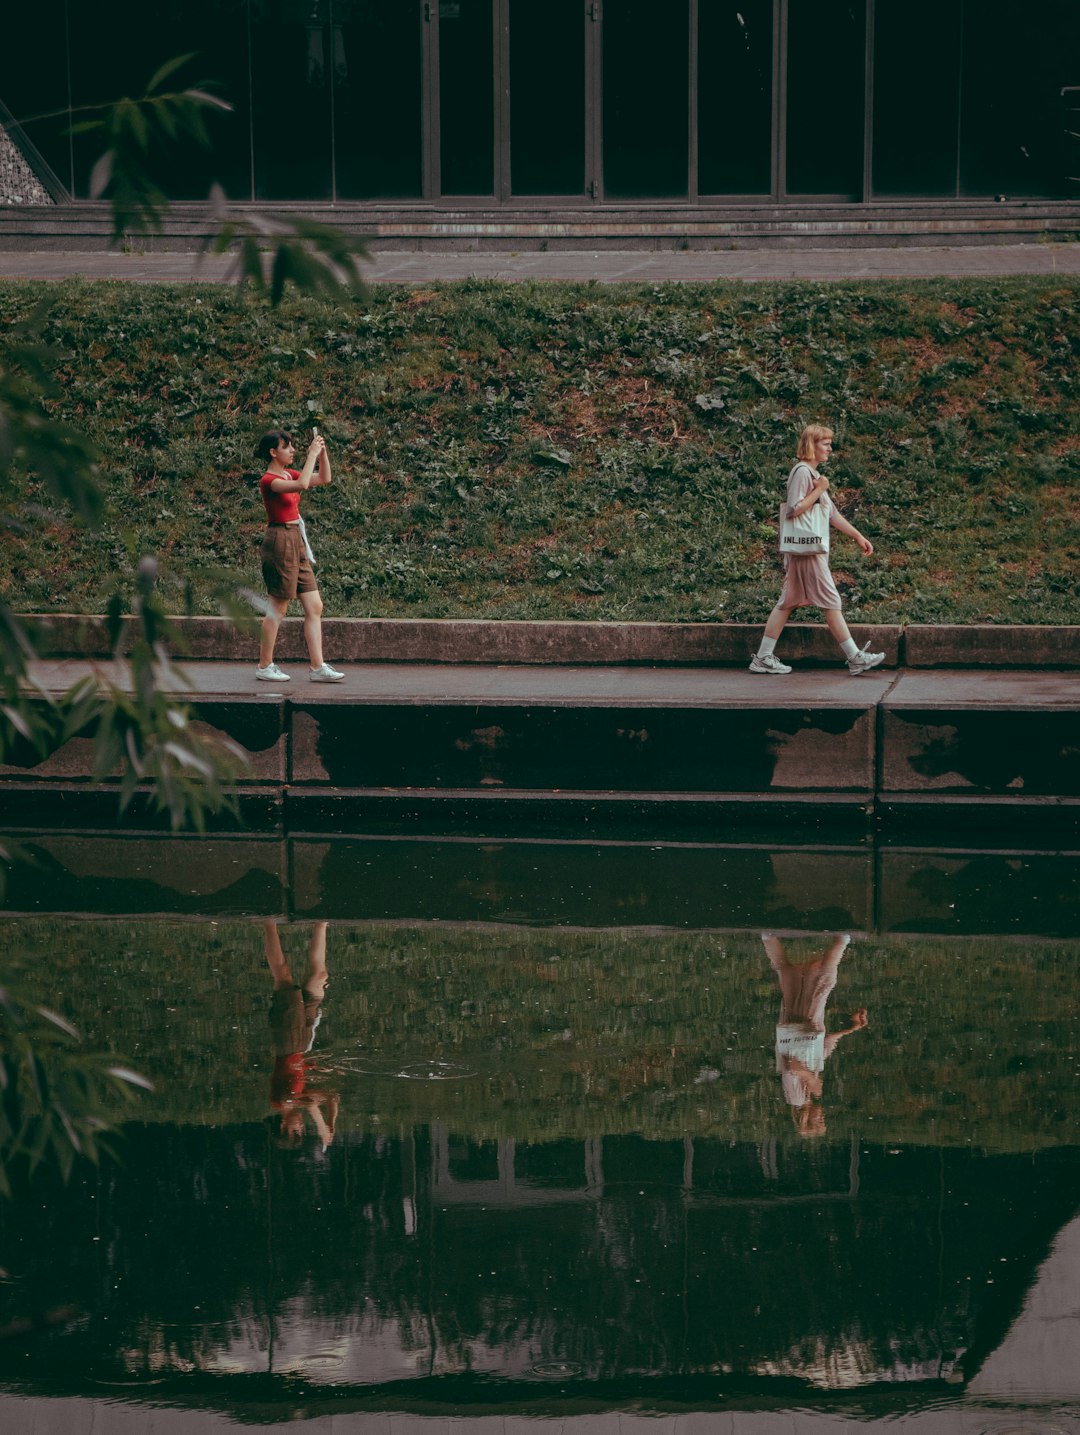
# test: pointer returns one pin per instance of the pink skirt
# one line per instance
(808, 583)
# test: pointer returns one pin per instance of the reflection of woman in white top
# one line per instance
(807, 580)
(802, 1047)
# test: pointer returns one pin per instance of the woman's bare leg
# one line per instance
(317, 975)
(774, 950)
(834, 620)
(777, 618)
(275, 957)
(269, 630)
(312, 605)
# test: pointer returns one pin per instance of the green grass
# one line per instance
(578, 451)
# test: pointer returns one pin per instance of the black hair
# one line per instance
(270, 441)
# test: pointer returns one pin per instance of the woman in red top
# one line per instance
(286, 557)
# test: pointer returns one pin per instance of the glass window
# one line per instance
(378, 98)
(646, 99)
(826, 67)
(916, 96)
(1017, 58)
(735, 69)
(466, 96)
(28, 32)
(291, 87)
(116, 57)
(547, 97)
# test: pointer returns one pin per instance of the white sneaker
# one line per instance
(863, 661)
(325, 674)
(272, 674)
(767, 663)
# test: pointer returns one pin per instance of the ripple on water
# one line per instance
(434, 1071)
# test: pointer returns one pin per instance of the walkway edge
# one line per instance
(468, 640)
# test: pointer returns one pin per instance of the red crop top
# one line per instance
(280, 507)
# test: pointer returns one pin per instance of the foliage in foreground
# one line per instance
(59, 1100)
(550, 450)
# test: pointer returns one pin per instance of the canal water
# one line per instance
(457, 1135)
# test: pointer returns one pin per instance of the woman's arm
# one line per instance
(840, 522)
(322, 473)
(858, 1021)
(819, 484)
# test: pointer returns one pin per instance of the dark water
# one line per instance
(538, 1130)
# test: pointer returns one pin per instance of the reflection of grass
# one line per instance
(571, 1035)
(551, 450)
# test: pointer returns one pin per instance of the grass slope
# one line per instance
(578, 451)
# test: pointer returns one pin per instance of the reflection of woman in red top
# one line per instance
(294, 1015)
(286, 557)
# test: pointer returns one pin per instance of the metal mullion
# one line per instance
(332, 67)
(500, 14)
(961, 51)
(692, 188)
(250, 100)
(780, 69)
(592, 17)
(431, 177)
(868, 103)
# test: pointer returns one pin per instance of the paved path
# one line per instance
(607, 266)
(546, 685)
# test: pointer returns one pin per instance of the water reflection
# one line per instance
(802, 1046)
(609, 1196)
(295, 1011)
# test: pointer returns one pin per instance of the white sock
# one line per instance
(765, 647)
(849, 648)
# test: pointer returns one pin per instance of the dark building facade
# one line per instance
(523, 103)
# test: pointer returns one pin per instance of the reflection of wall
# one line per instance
(1041, 1353)
(377, 1264)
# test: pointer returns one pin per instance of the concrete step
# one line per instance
(84, 225)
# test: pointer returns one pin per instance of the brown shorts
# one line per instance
(293, 1015)
(285, 568)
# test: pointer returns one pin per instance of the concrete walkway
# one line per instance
(439, 684)
(412, 267)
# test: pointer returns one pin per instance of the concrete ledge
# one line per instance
(985, 645)
(468, 640)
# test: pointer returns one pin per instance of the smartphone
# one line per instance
(314, 431)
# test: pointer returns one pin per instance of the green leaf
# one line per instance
(168, 68)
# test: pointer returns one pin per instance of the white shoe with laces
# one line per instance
(325, 674)
(863, 661)
(767, 663)
(272, 674)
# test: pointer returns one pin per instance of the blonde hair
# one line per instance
(811, 435)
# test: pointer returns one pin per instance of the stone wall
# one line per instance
(18, 182)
